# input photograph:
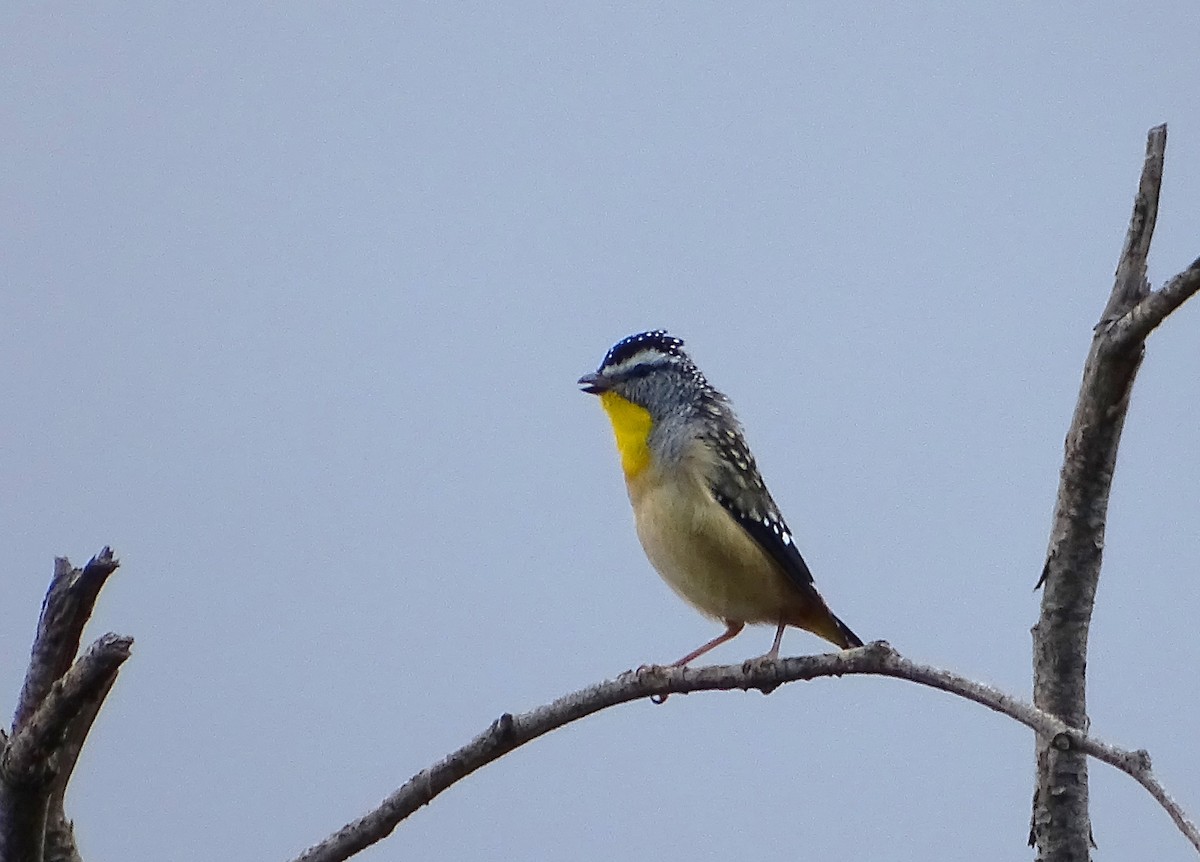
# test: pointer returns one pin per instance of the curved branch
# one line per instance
(880, 659)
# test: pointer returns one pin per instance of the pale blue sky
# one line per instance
(294, 301)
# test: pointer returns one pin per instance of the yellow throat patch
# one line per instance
(632, 425)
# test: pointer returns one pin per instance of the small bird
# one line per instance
(704, 517)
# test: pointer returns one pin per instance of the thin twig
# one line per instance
(511, 731)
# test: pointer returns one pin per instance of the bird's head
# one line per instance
(650, 370)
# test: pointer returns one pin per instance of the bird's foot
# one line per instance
(646, 671)
(758, 665)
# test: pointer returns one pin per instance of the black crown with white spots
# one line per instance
(639, 357)
(653, 341)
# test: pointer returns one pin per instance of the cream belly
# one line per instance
(705, 557)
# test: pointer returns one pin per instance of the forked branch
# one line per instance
(58, 703)
(1060, 826)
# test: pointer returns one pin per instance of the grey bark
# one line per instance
(509, 731)
(57, 705)
(1060, 828)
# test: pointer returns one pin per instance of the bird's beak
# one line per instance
(593, 383)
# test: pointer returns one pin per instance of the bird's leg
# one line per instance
(732, 630)
(773, 652)
(769, 656)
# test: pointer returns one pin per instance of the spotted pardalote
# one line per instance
(702, 512)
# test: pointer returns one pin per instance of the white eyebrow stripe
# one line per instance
(642, 357)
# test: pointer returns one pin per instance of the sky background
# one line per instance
(294, 301)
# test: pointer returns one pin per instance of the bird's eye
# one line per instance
(641, 370)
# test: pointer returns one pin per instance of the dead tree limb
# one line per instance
(57, 705)
(1060, 827)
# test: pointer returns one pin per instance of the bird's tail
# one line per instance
(846, 638)
(825, 624)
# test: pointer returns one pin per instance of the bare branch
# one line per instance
(65, 611)
(511, 731)
(1141, 320)
(1130, 283)
(60, 834)
(1060, 825)
(27, 765)
(55, 711)
(1140, 770)
(27, 758)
